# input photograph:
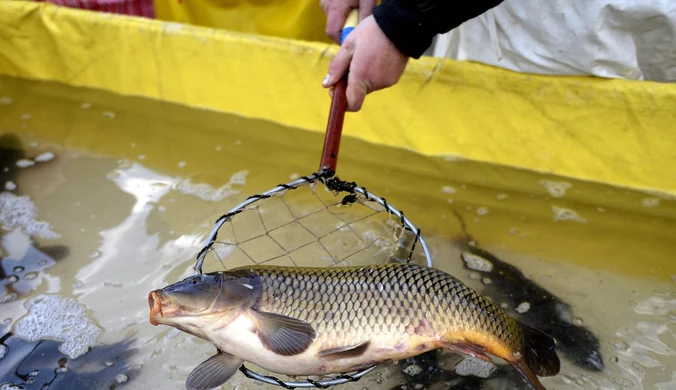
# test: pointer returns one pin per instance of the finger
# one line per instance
(357, 89)
(366, 8)
(339, 64)
(335, 20)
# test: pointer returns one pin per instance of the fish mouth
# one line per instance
(157, 300)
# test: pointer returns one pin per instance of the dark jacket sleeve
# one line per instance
(412, 24)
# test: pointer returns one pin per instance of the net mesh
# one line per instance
(313, 223)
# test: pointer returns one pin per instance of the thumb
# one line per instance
(338, 65)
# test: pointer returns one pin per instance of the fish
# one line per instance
(305, 321)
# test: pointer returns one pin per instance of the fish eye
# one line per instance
(194, 280)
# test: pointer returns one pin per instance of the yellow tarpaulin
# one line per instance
(609, 131)
(296, 19)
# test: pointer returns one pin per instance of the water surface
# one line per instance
(106, 197)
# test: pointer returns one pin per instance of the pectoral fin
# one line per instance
(345, 352)
(283, 335)
(213, 372)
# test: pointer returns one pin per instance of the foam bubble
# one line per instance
(6, 100)
(650, 202)
(208, 193)
(523, 307)
(3, 351)
(413, 370)
(477, 263)
(20, 212)
(64, 319)
(475, 367)
(563, 214)
(482, 211)
(109, 114)
(453, 157)
(44, 157)
(501, 196)
(25, 163)
(10, 185)
(556, 189)
(85, 106)
(448, 190)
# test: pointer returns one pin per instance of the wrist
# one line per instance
(401, 23)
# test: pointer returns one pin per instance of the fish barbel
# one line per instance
(317, 321)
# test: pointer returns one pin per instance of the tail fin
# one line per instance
(539, 352)
(539, 357)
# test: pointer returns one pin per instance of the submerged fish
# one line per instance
(317, 321)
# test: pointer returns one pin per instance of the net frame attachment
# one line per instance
(334, 184)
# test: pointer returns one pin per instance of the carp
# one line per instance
(302, 321)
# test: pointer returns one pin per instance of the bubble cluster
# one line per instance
(650, 202)
(413, 370)
(556, 189)
(523, 307)
(563, 214)
(44, 157)
(64, 319)
(482, 211)
(20, 212)
(25, 163)
(448, 190)
(474, 367)
(210, 194)
(477, 263)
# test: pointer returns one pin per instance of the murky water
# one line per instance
(107, 197)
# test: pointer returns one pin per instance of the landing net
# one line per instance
(317, 221)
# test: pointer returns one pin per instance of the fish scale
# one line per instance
(356, 302)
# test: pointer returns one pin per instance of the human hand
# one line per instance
(373, 61)
(338, 10)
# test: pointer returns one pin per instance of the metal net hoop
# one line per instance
(346, 194)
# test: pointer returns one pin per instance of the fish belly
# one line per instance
(239, 340)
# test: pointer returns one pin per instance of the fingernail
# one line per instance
(326, 80)
(331, 92)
